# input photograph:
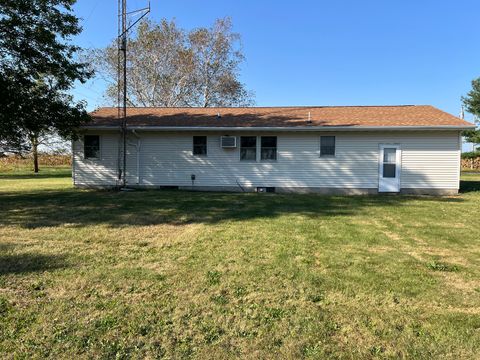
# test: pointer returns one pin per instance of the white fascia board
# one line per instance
(288, 129)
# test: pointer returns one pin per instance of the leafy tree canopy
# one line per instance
(472, 100)
(472, 104)
(472, 136)
(169, 66)
(37, 67)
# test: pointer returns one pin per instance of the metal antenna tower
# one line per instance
(122, 39)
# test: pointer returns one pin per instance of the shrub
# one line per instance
(471, 154)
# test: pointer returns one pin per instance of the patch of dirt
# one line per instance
(392, 236)
(458, 282)
(380, 249)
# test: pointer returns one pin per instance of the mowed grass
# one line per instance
(165, 274)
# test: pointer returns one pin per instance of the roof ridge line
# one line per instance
(262, 107)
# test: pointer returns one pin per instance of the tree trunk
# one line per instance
(34, 140)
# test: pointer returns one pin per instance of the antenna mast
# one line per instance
(122, 39)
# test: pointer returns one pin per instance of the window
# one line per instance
(327, 145)
(248, 148)
(200, 145)
(91, 146)
(389, 162)
(269, 148)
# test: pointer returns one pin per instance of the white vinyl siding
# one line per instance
(430, 159)
(96, 172)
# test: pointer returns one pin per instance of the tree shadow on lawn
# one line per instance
(86, 207)
(30, 175)
(467, 186)
(27, 263)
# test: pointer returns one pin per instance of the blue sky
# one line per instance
(305, 52)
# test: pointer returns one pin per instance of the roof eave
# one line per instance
(285, 128)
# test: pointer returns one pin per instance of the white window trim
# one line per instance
(258, 149)
(100, 146)
(320, 148)
(193, 145)
(259, 141)
(240, 150)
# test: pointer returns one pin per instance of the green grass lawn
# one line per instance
(165, 274)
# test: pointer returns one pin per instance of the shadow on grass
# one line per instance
(31, 176)
(79, 208)
(4, 247)
(467, 186)
(27, 263)
(24, 175)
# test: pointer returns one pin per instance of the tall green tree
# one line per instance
(472, 104)
(37, 68)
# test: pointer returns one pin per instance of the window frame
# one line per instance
(269, 147)
(387, 162)
(99, 152)
(252, 147)
(193, 145)
(334, 146)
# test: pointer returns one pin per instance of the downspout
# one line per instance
(138, 147)
(119, 162)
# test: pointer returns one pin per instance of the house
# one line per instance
(338, 149)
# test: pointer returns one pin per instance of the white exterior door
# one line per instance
(389, 170)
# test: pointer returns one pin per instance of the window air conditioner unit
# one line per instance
(228, 142)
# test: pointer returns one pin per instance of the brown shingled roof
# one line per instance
(328, 116)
